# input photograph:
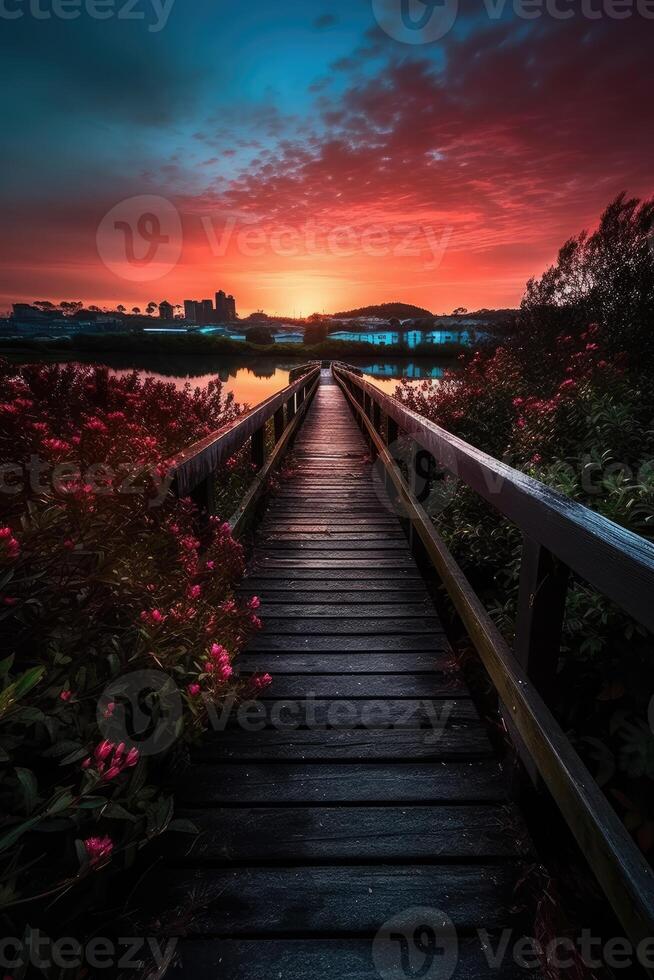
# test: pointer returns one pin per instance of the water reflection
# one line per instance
(252, 379)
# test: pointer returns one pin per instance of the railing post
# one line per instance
(422, 469)
(203, 495)
(258, 447)
(279, 424)
(290, 408)
(541, 610)
(376, 417)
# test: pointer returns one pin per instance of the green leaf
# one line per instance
(182, 826)
(30, 787)
(117, 812)
(9, 839)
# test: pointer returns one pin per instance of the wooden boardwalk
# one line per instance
(367, 785)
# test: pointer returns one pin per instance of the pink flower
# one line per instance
(194, 690)
(194, 592)
(568, 384)
(521, 423)
(254, 602)
(261, 681)
(537, 458)
(65, 695)
(210, 565)
(218, 652)
(110, 760)
(152, 618)
(98, 849)
(109, 710)
(9, 543)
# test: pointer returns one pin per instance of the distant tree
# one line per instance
(605, 278)
(459, 311)
(259, 335)
(394, 323)
(70, 307)
(136, 309)
(315, 333)
(44, 304)
(151, 307)
(121, 308)
(95, 309)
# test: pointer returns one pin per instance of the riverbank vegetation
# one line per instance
(207, 344)
(568, 396)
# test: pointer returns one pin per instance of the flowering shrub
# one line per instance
(576, 413)
(102, 575)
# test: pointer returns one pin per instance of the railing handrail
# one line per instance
(195, 463)
(616, 561)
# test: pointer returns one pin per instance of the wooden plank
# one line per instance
(331, 597)
(274, 833)
(460, 740)
(352, 610)
(341, 644)
(406, 575)
(314, 626)
(439, 684)
(305, 711)
(229, 784)
(316, 663)
(319, 959)
(324, 900)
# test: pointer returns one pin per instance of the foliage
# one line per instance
(572, 404)
(103, 574)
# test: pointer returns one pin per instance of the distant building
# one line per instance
(225, 307)
(206, 312)
(191, 310)
(25, 311)
(166, 310)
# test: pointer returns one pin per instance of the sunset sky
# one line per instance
(315, 162)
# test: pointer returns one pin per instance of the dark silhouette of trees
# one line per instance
(606, 278)
(315, 333)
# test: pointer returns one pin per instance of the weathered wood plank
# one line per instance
(459, 740)
(438, 684)
(371, 663)
(319, 900)
(340, 644)
(353, 833)
(318, 959)
(229, 784)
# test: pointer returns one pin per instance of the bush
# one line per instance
(103, 576)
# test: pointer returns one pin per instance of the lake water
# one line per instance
(254, 379)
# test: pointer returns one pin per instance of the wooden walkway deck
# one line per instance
(373, 788)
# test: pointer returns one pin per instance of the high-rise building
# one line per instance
(206, 311)
(225, 306)
(166, 311)
(191, 310)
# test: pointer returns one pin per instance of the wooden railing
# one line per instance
(559, 536)
(194, 469)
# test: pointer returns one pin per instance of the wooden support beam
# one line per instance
(258, 447)
(541, 610)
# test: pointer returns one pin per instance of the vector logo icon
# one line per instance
(416, 21)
